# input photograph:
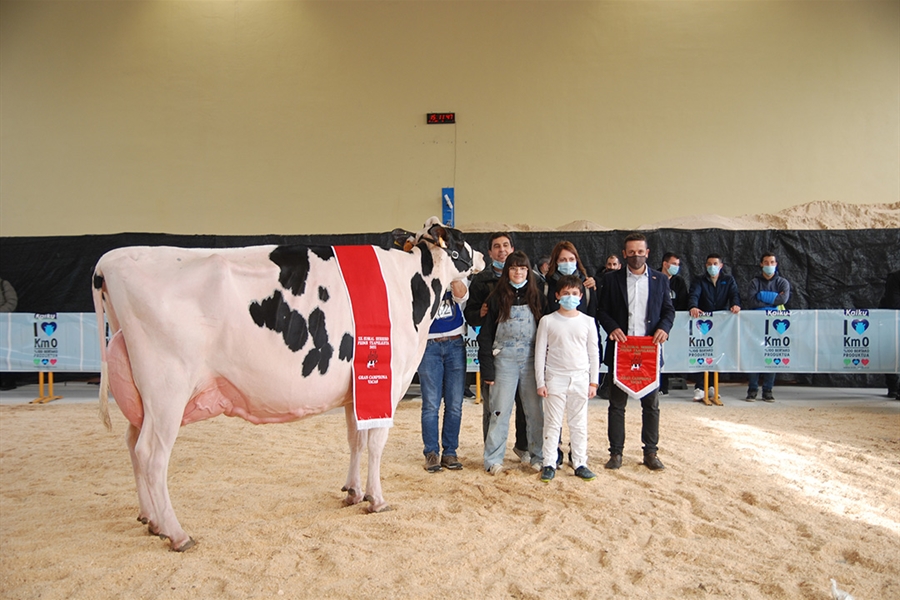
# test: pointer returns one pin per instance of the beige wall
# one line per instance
(308, 117)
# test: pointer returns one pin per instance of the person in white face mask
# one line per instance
(711, 292)
(566, 368)
(564, 260)
(768, 290)
(678, 292)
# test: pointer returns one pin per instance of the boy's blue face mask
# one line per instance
(570, 302)
(769, 270)
(713, 270)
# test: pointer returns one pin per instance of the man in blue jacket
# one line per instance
(711, 292)
(768, 290)
(634, 301)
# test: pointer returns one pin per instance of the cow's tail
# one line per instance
(101, 330)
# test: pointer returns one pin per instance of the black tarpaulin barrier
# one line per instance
(833, 269)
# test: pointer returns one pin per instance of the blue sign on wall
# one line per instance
(448, 207)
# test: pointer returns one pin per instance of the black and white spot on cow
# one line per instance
(421, 299)
(438, 296)
(275, 314)
(293, 262)
(346, 350)
(427, 259)
(323, 294)
(322, 351)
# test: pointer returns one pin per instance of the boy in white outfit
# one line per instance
(566, 366)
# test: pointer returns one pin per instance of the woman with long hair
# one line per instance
(564, 260)
(506, 357)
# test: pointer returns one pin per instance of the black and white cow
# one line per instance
(264, 333)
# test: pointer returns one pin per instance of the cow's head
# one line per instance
(465, 259)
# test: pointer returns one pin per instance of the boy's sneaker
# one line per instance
(495, 469)
(536, 465)
(698, 395)
(767, 396)
(585, 473)
(751, 395)
(523, 455)
(547, 474)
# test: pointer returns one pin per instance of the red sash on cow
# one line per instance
(637, 365)
(372, 382)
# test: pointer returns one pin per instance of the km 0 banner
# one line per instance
(799, 341)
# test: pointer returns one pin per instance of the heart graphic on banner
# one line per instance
(37, 361)
(855, 362)
(45, 361)
(768, 361)
(48, 327)
(709, 361)
(777, 361)
(781, 325)
(704, 326)
(693, 361)
(865, 361)
(846, 361)
(860, 325)
(786, 361)
(52, 361)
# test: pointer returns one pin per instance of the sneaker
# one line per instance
(698, 395)
(523, 455)
(767, 396)
(536, 465)
(448, 461)
(432, 462)
(653, 463)
(495, 469)
(547, 474)
(467, 393)
(614, 462)
(751, 396)
(585, 473)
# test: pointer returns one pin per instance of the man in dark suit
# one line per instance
(634, 301)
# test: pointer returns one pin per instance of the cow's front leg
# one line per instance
(144, 506)
(357, 441)
(377, 439)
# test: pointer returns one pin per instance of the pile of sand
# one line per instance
(813, 215)
(757, 502)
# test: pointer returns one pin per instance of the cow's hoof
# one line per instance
(379, 509)
(143, 519)
(190, 543)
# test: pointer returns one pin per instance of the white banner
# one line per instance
(753, 341)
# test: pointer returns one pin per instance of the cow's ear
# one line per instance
(439, 234)
(403, 239)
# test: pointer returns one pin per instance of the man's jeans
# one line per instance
(442, 374)
(768, 382)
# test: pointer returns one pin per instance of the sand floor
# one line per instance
(757, 501)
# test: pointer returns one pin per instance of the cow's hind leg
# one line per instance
(152, 451)
(357, 441)
(377, 440)
(144, 505)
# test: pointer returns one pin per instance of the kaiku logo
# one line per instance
(859, 325)
(704, 326)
